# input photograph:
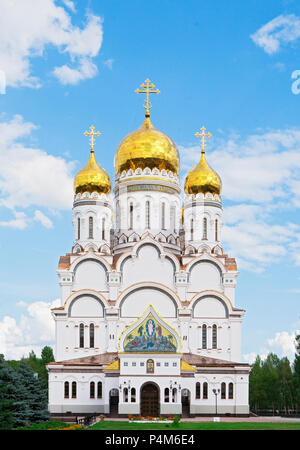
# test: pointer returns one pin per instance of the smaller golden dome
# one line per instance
(203, 179)
(92, 178)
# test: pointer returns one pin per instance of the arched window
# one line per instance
(92, 390)
(92, 335)
(99, 389)
(103, 229)
(147, 214)
(130, 216)
(74, 389)
(133, 395)
(150, 366)
(166, 395)
(205, 390)
(230, 390)
(125, 395)
(66, 389)
(192, 229)
(81, 335)
(204, 228)
(174, 395)
(91, 228)
(78, 228)
(223, 390)
(163, 216)
(216, 230)
(204, 336)
(198, 391)
(214, 336)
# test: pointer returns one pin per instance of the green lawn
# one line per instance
(114, 425)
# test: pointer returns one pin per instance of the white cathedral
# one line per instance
(148, 324)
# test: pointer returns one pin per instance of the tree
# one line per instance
(296, 372)
(7, 380)
(30, 397)
(47, 355)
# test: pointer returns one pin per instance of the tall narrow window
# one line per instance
(103, 229)
(92, 390)
(192, 229)
(216, 230)
(125, 395)
(174, 395)
(204, 336)
(204, 228)
(81, 335)
(133, 395)
(172, 218)
(147, 214)
(130, 216)
(66, 389)
(214, 336)
(223, 391)
(74, 389)
(99, 389)
(198, 391)
(166, 395)
(78, 228)
(230, 390)
(92, 335)
(118, 222)
(163, 216)
(91, 228)
(205, 390)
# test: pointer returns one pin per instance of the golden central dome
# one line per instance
(147, 147)
(203, 179)
(92, 178)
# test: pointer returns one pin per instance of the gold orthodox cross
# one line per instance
(147, 88)
(203, 135)
(92, 135)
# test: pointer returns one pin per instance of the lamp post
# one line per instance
(216, 392)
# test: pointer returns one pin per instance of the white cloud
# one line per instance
(282, 344)
(281, 30)
(67, 75)
(260, 175)
(29, 27)
(109, 63)
(33, 331)
(43, 219)
(70, 5)
(30, 176)
(20, 221)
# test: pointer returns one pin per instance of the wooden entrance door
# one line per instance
(150, 401)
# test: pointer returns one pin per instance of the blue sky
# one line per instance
(225, 64)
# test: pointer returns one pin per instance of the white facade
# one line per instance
(147, 252)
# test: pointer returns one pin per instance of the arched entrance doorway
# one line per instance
(113, 402)
(150, 400)
(185, 401)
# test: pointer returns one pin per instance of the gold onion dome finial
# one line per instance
(147, 146)
(92, 177)
(203, 178)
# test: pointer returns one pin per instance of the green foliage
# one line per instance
(23, 390)
(7, 380)
(176, 421)
(274, 384)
